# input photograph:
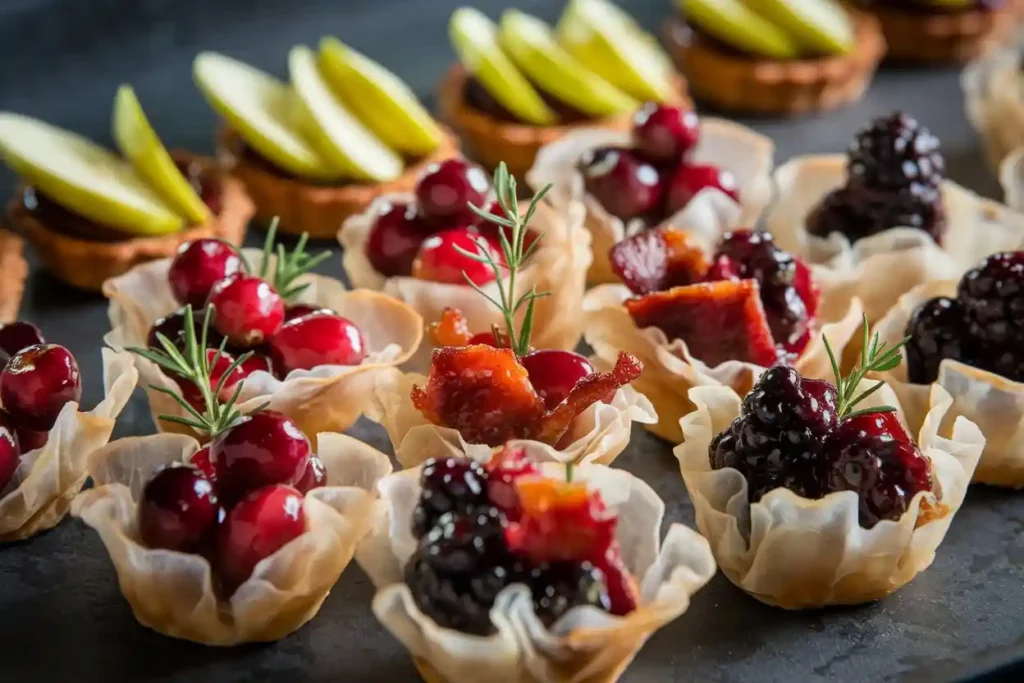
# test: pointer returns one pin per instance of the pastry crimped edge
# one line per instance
(775, 87)
(302, 206)
(13, 271)
(88, 264)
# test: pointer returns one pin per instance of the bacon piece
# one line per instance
(654, 260)
(451, 330)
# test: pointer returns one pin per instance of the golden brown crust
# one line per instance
(770, 87)
(317, 209)
(13, 271)
(87, 264)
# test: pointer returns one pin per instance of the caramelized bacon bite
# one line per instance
(654, 260)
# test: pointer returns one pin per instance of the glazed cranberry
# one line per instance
(172, 326)
(254, 529)
(395, 239)
(503, 470)
(17, 336)
(248, 311)
(554, 373)
(202, 462)
(314, 477)
(321, 338)
(30, 440)
(10, 452)
(198, 266)
(626, 186)
(446, 189)
(257, 362)
(688, 180)
(439, 261)
(262, 449)
(37, 383)
(298, 310)
(178, 510)
(218, 366)
(486, 338)
(664, 133)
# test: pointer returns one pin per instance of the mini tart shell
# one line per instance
(87, 265)
(492, 140)
(13, 271)
(771, 87)
(301, 206)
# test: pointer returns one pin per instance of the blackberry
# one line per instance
(936, 331)
(857, 211)
(449, 485)
(776, 440)
(557, 587)
(992, 297)
(895, 153)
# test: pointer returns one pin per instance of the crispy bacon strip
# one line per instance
(451, 330)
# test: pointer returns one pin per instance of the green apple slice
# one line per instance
(84, 177)
(735, 24)
(594, 32)
(530, 43)
(380, 99)
(475, 40)
(818, 26)
(262, 109)
(138, 143)
(339, 136)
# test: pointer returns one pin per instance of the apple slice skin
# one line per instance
(732, 22)
(378, 98)
(818, 26)
(138, 143)
(128, 204)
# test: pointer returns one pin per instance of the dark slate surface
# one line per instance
(61, 615)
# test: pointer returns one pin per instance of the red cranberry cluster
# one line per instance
(238, 501)
(419, 238)
(655, 177)
(250, 313)
(38, 379)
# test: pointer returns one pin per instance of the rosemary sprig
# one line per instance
(193, 364)
(874, 357)
(515, 255)
(290, 265)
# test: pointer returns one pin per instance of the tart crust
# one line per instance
(13, 271)
(319, 210)
(771, 87)
(87, 264)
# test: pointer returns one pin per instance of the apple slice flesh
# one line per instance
(818, 26)
(735, 24)
(83, 177)
(263, 110)
(138, 143)
(475, 40)
(381, 101)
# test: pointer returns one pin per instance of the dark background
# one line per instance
(62, 617)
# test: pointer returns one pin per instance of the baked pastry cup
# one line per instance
(86, 264)
(993, 100)
(301, 205)
(585, 644)
(762, 86)
(797, 553)
(13, 272)
(994, 403)
(173, 592)
(558, 266)
(748, 155)
(884, 266)
(48, 478)
(326, 398)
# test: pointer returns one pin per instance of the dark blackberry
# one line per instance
(936, 331)
(557, 587)
(448, 484)
(459, 568)
(894, 153)
(858, 211)
(992, 297)
(779, 434)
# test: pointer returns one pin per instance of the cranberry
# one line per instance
(254, 529)
(446, 189)
(395, 239)
(178, 510)
(172, 326)
(262, 449)
(316, 339)
(36, 384)
(505, 467)
(10, 453)
(439, 261)
(486, 338)
(626, 186)
(30, 440)
(664, 133)
(257, 362)
(689, 180)
(248, 311)
(17, 336)
(198, 266)
(554, 373)
(491, 232)
(314, 477)
(202, 462)
(298, 310)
